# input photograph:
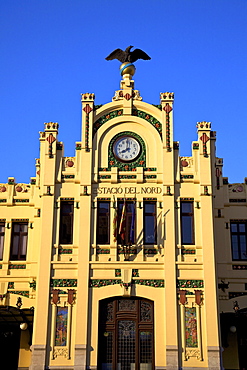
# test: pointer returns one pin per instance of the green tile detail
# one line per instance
(65, 251)
(97, 106)
(188, 251)
(63, 283)
(13, 266)
(190, 284)
(104, 169)
(186, 177)
(11, 285)
(117, 272)
(132, 250)
(104, 177)
(68, 176)
(158, 283)
(149, 176)
(151, 251)
(98, 283)
(122, 177)
(150, 169)
(135, 273)
(154, 122)
(159, 106)
(21, 200)
(103, 251)
(33, 285)
(105, 118)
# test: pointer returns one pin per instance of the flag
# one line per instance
(132, 226)
(122, 226)
(115, 224)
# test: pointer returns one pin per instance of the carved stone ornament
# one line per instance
(203, 125)
(3, 188)
(55, 297)
(236, 188)
(71, 296)
(219, 161)
(87, 96)
(182, 297)
(22, 188)
(186, 162)
(166, 96)
(61, 351)
(69, 161)
(198, 297)
(51, 126)
(119, 95)
(193, 353)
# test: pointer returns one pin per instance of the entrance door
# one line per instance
(9, 346)
(242, 339)
(126, 335)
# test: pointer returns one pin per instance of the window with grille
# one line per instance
(150, 222)
(187, 222)
(126, 223)
(18, 248)
(2, 231)
(238, 240)
(66, 222)
(103, 223)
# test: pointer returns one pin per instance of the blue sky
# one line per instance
(52, 51)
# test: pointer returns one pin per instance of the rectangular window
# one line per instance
(103, 223)
(238, 239)
(126, 220)
(2, 230)
(66, 222)
(187, 222)
(18, 248)
(150, 222)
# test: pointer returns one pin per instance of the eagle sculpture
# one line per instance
(127, 55)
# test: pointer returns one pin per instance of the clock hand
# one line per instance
(123, 151)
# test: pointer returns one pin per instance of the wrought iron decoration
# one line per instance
(127, 55)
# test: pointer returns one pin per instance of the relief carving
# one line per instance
(236, 188)
(186, 162)
(58, 351)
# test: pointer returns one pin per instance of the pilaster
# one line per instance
(206, 167)
(47, 180)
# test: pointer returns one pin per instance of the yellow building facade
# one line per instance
(127, 255)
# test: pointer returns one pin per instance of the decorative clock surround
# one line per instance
(126, 148)
(114, 157)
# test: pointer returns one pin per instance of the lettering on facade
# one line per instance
(128, 190)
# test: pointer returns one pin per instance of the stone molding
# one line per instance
(214, 357)
(171, 357)
(80, 357)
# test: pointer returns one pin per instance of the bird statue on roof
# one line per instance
(127, 55)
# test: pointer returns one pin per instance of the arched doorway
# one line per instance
(126, 334)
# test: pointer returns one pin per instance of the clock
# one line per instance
(126, 148)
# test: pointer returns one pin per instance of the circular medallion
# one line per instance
(126, 148)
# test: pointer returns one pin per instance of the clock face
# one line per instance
(126, 148)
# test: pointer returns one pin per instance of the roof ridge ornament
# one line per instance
(127, 58)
